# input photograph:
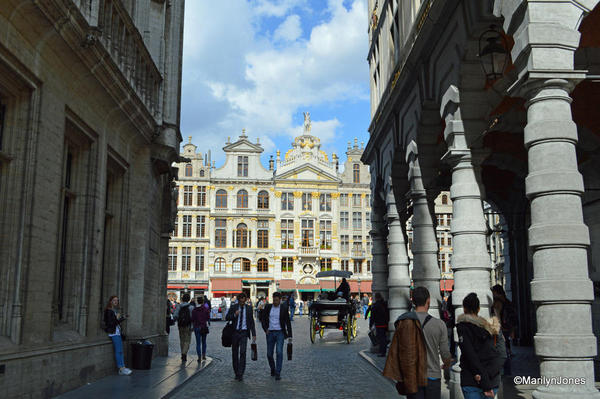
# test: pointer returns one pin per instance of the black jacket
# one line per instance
(379, 314)
(481, 351)
(249, 317)
(344, 288)
(284, 319)
(110, 321)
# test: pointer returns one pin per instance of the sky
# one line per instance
(259, 64)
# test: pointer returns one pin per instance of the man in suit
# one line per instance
(243, 321)
(275, 320)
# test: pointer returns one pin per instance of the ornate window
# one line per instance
(357, 243)
(186, 258)
(368, 220)
(287, 233)
(241, 236)
(242, 166)
(343, 199)
(444, 199)
(357, 265)
(308, 233)
(345, 266)
(220, 233)
(263, 234)
(200, 226)
(356, 200)
(325, 202)
(263, 200)
(241, 264)
(357, 220)
(188, 170)
(306, 201)
(201, 172)
(287, 264)
(172, 259)
(344, 220)
(356, 173)
(242, 199)
(175, 232)
(221, 199)
(187, 195)
(199, 259)
(219, 265)
(287, 201)
(325, 264)
(262, 266)
(201, 200)
(344, 243)
(187, 225)
(325, 233)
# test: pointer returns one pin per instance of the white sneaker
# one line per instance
(124, 371)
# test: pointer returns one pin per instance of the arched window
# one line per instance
(242, 199)
(188, 170)
(263, 200)
(242, 236)
(221, 200)
(262, 265)
(219, 265)
(444, 199)
(201, 173)
(241, 265)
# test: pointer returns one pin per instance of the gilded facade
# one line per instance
(246, 227)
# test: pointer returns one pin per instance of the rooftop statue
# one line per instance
(307, 122)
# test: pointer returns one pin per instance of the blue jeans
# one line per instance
(292, 311)
(275, 337)
(118, 345)
(365, 307)
(475, 392)
(200, 342)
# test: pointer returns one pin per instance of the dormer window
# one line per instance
(201, 173)
(242, 166)
(188, 170)
(356, 173)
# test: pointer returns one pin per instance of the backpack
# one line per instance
(184, 319)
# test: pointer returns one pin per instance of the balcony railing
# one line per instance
(309, 250)
(125, 44)
(356, 252)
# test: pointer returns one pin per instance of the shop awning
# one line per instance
(446, 285)
(198, 287)
(287, 285)
(175, 286)
(327, 285)
(256, 281)
(365, 286)
(226, 285)
(309, 287)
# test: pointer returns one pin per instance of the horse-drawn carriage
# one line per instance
(333, 312)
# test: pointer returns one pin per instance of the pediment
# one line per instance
(243, 146)
(308, 172)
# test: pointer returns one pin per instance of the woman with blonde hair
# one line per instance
(112, 325)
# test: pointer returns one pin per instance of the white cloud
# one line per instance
(236, 77)
(289, 30)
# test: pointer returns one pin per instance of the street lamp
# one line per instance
(359, 288)
(493, 53)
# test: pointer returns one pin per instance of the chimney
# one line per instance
(278, 159)
(208, 157)
(271, 162)
(355, 143)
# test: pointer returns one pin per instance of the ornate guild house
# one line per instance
(245, 228)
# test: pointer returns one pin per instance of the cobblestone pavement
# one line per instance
(330, 368)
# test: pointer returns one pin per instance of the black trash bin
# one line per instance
(141, 355)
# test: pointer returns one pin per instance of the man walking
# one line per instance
(380, 318)
(183, 315)
(275, 320)
(365, 305)
(292, 303)
(242, 316)
(436, 343)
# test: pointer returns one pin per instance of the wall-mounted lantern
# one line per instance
(493, 53)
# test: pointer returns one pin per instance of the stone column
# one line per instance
(426, 271)
(559, 240)
(399, 278)
(470, 259)
(379, 250)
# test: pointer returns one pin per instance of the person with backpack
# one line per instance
(112, 325)
(504, 309)
(183, 315)
(201, 319)
(482, 351)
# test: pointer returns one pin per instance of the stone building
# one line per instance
(493, 100)
(89, 128)
(244, 227)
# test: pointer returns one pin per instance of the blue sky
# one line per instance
(259, 64)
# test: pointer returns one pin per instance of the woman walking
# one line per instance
(112, 321)
(200, 319)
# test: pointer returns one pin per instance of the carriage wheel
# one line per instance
(348, 328)
(313, 326)
(354, 327)
(322, 331)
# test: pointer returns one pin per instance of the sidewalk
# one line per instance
(166, 376)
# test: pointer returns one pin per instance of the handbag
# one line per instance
(254, 351)
(289, 350)
(204, 330)
(227, 334)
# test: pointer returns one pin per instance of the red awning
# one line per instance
(226, 285)
(198, 287)
(328, 285)
(287, 285)
(365, 286)
(309, 287)
(174, 286)
(446, 285)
